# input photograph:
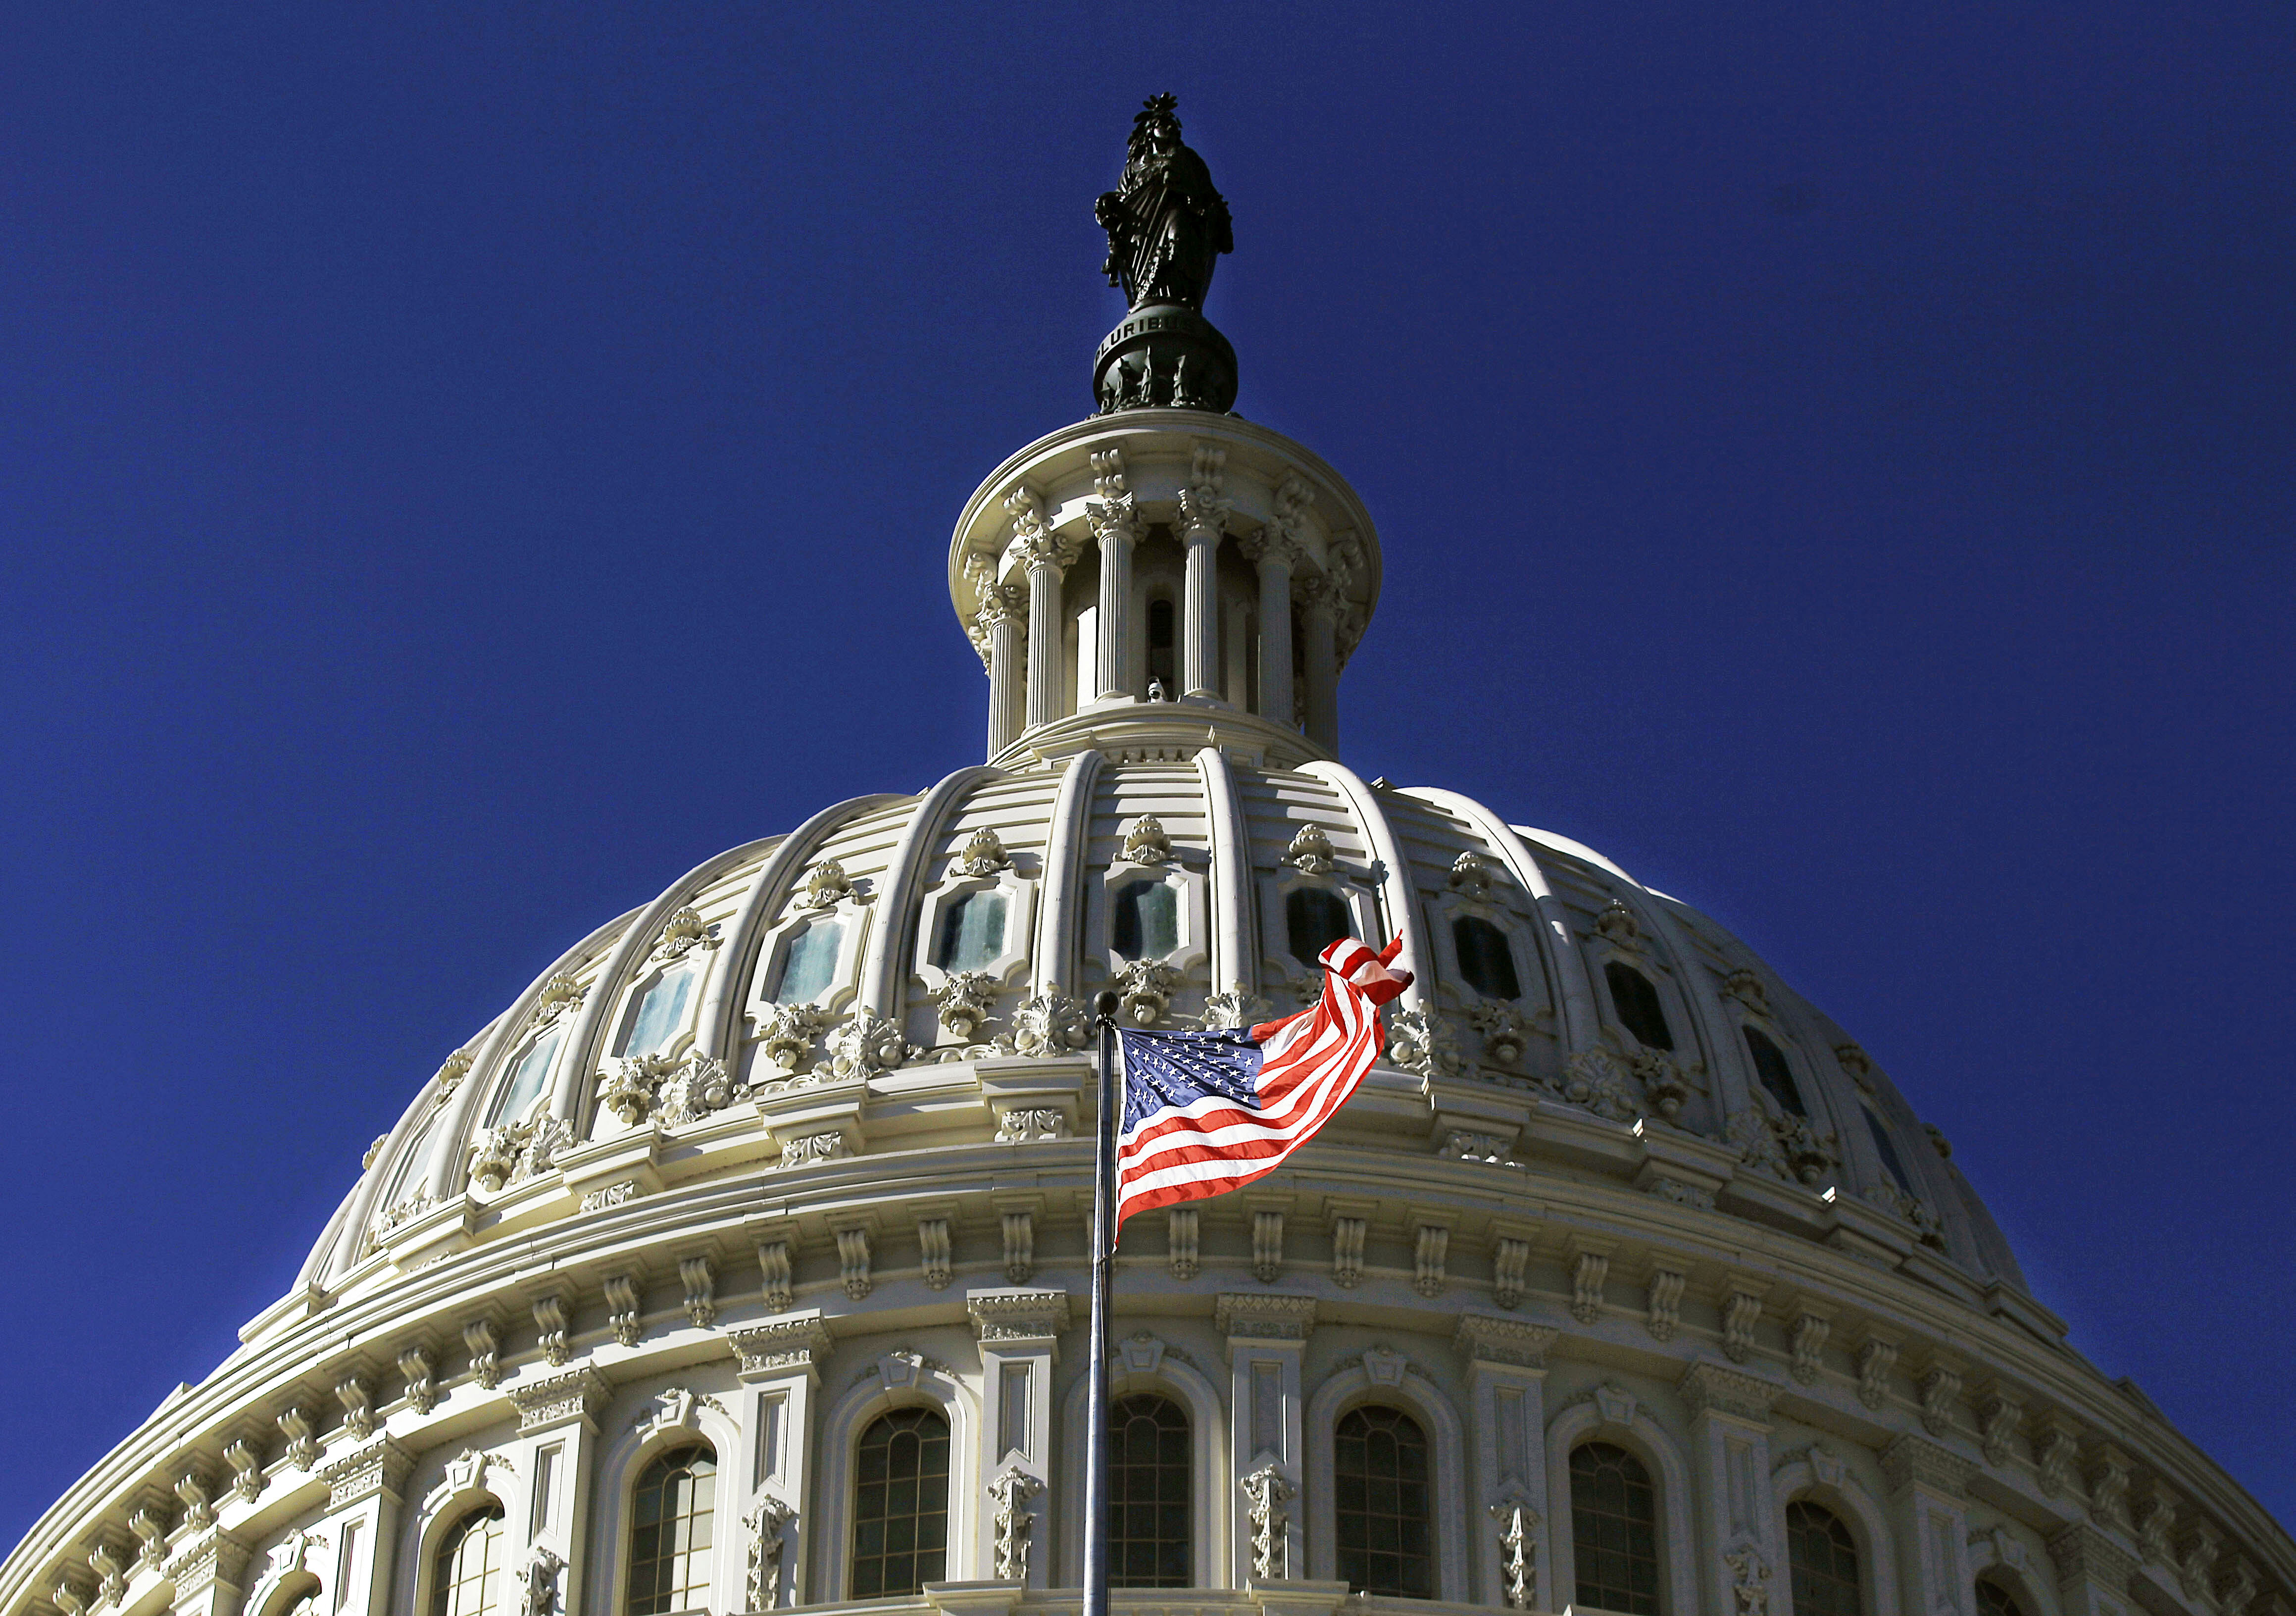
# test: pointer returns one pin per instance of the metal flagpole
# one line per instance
(1104, 1265)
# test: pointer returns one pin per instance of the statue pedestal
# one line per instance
(1164, 354)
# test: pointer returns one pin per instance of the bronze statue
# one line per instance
(1166, 226)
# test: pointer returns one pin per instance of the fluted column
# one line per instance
(998, 636)
(1321, 605)
(1047, 555)
(1276, 552)
(1115, 528)
(1203, 517)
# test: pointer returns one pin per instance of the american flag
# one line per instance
(1206, 1112)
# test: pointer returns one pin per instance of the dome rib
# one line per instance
(1065, 838)
(882, 976)
(717, 1031)
(1235, 965)
(1556, 944)
(1398, 892)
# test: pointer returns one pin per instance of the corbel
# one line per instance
(550, 1298)
(854, 1229)
(1512, 1243)
(1588, 1259)
(1877, 1356)
(1742, 1297)
(1813, 1325)
(624, 1295)
(1430, 1247)
(1350, 1222)
(1017, 1214)
(776, 1240)
(1940, 1387)
(1267, 1211)
(699, 1274)
(242, 1450)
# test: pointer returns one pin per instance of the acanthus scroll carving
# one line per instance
(1419, 1040)
(682, 933)
(1265, 1492)
(1750, 1582)
(1310, 851)
(868, 1042)
(1146, 987)
(1009, 1492)
(1517, 1543)
(765, 1520)
(964, 1001)
(1037, 543)
(1501, 1028)
(1051, 1024)
(537, 1582)
(787, 1033)
(511, 1152)
(1234, 1009)
(984, 854)
(1146, 843)
(826, 885)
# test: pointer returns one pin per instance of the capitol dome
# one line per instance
(739, 1263)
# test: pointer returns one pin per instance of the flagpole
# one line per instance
(1103, 1264)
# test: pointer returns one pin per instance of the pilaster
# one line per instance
(1742, 1550)
(560, 1411)
(365, 1492)
(2092, 1572)
(1506, 1500)
(210, 1574)
(1266, 1335)
(781, 1378)
(1928, 1512)
(1019, 1330)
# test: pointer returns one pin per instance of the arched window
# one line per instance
(1147, 924)
(1314, 917)
(1150, 1472)
(1823, 1556)
(672, 1518)
(971, 931)
(900, 1505)
(527, 1078)
(1770, 1066)
(1889, 1153)
(1163, 641)
(467, 1579)
(1484, 960)
(1614, 1530)
(1993, 1600)
(1383, 1505)
(662, 1009)
(810, 963)
(407, 1177)
(1639, 1009)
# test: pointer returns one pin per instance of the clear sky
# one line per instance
(461, 467)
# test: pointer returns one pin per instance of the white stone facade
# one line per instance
(806, 1139)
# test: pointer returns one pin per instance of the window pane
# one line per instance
(810, 963)
(1315, 918)
(1150, 1468)
(1639, 1009)
(1614, 1530)
(467, 1579)
(971, 933)
(900, 1520)
(674, 1512)
(1484, 960)
(1993, 1600)
(527, 1079)
(414, 1164)
(661, 1013)
(1386, 1537)
(1824, 1560)
(1770, 1066)
(1889, 1153)
(1147, 920)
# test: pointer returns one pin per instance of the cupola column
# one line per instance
(1203, 520)
(1115, 524)
(1321, 615)
(1276, 552)
(1047, 555)
(999, 636)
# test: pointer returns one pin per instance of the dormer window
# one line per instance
(1485, 959)
(971, 932)
(662, 1011)
(1770, 1066)
(810, 965)
(527, 1078)
(1146, 924)
(1637, 1003)
(1315, 918)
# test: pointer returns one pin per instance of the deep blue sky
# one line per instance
(457, 472)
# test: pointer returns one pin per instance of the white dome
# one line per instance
(798, 1148)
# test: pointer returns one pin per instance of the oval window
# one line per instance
(810, 964)
(1147, 920)
(971, 933)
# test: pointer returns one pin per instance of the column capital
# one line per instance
(1484, 1340)
(1910, 1461)
(1273, 546)
(1317, 594)
(1038, 545)
(2082, 1553)
(555, 1400)
(1711, 1388)
(1270, 1317)
(381, 1466)
(1115, 520)
(1204, 514)
(1013, 1314)
(780, 1347)
(212, 1557)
